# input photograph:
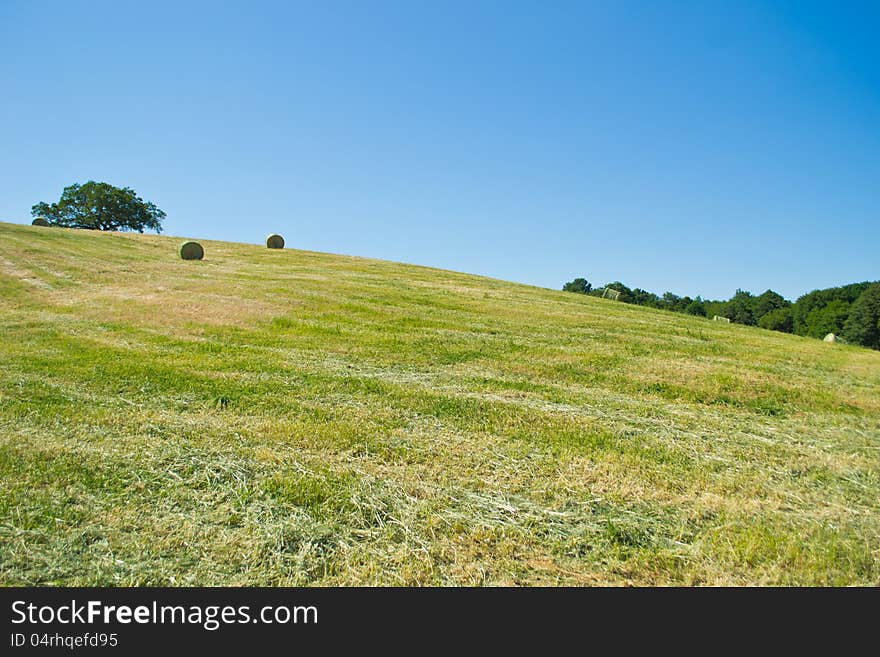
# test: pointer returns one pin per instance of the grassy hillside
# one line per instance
(287, 417)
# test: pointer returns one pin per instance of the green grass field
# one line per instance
(289, 418)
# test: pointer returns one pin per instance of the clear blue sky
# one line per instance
(692, 147)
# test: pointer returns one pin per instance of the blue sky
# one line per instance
(692, 147)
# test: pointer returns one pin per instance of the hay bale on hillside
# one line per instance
(611, 293)
(191, 251)
(40, 221)
(830, 338)
(274, 241)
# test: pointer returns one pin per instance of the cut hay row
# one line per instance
(313, 419)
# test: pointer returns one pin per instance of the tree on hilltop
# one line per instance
(101, 206)
(863, 324)
(579, 285)
(778, 319)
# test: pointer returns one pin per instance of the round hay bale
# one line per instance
(40, 221)
(275, 241)
(191, 251)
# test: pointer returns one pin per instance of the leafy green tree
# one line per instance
(826, 319)
(832, 310)
(715, 308)
(625, 293)
(670, 301)
(696, 307)
(644, 298)
(810, 318)
(863, 324)
(578, 285)
(739, 308)
(767, 302)
(101, 206)
(777, 320)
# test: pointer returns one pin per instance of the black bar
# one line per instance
(330, 619)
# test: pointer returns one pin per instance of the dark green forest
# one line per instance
(851, 312)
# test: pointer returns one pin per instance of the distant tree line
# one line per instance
(850, 311)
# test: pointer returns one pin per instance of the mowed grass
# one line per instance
(293, 418)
